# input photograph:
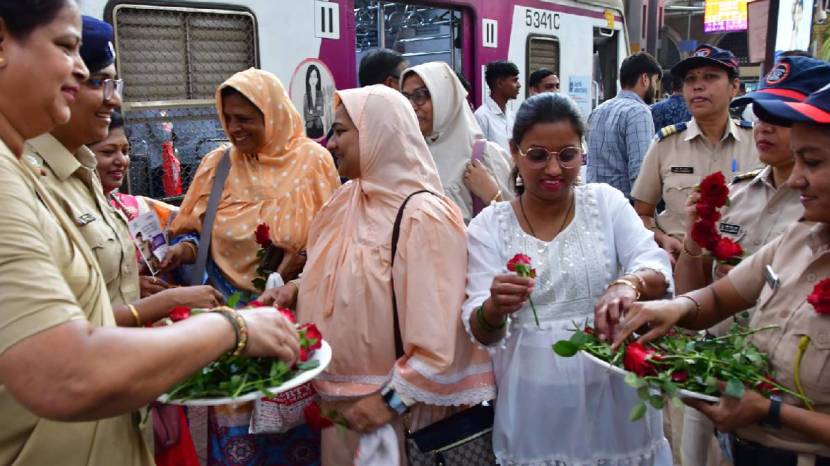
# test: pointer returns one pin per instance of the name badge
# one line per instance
(729, 228)
(686, 170)
(771, 277)
(85, 219)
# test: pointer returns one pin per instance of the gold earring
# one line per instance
(2, 61)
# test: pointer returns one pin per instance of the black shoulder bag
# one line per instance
(463, 439)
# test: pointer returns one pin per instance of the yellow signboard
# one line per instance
(724, 15)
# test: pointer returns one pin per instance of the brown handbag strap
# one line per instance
(396, 233)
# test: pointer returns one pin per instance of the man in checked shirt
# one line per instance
(620, 130)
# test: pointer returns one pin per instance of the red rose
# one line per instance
(314, 417)
(254, 303)
(179, 313)
(705, 234)
(820, 297)
(638, 359)
(263, 235)
(767, 388)
(588, 330)
(713, 190)
(312, 335)
(289, 314)
(679, 376)
(518, 259)
(726, 249)
(707, 212)
(304, 353)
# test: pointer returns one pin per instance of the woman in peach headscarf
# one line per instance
(346, 289)
(277, 176)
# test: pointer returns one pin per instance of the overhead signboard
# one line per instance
(724, 15)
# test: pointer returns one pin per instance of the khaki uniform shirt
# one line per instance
(49, 276)
(758, 211)
(800, 258)
(75, 185)
(679, 158)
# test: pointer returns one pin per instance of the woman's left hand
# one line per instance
(292, 264)
(368, 414)
(730, 414)
(610, 308)
(480, 182)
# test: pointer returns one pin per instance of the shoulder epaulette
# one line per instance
(669, 130)
(746, 176)
(744, 124)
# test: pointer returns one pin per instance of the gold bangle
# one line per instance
(628, 283)
(689, 253)
(136, 315)
(639, 279)
(693, 300)
(240, 327)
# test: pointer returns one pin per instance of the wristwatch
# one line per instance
(773, 418)
(395, 401)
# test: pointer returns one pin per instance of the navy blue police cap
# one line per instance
(815, 109)
(791, 79)
(96, 44)
(707, 55)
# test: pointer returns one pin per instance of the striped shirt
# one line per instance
(619, 133)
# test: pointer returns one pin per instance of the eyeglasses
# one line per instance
(110, 86)
(418, 97)
(538, 157)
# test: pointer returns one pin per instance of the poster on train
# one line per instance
(312, 92)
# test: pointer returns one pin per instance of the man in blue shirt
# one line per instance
(620, 130)
(672, 110)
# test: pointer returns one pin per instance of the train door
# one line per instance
(606, 68)
(421, 33)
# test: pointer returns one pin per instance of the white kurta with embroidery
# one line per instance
(565, 411)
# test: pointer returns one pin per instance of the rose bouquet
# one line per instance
(714, 194)
(233, 376)
(676, 361)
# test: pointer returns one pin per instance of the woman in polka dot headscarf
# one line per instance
(277, 176)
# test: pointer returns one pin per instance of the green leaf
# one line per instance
(233, 300)
(308, 365)
(677, 402)
(633, 381)
(734, 388)
(580, 338)
(643, 392)
(637, 411)
(656, 401)
(565, 348)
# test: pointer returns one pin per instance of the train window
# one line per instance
(420, 33)
(172, 59)
(542, 52)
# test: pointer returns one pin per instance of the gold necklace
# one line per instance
(564, 219)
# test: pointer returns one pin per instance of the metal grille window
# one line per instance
(172, 60)
(542, 52)
(420, 33)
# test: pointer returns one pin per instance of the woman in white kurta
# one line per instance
(580, 239)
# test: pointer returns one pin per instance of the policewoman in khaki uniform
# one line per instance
(69, 378)
(682, 154)
(778, 279)
(67, 169)
(761, 207)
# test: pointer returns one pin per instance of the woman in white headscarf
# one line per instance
(451, 131)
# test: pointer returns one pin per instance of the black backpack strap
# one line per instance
(396, 233)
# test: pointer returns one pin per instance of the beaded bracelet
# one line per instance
(689, 253)
(696, 303)
(240, 327)
(136, 315)
(486, 326)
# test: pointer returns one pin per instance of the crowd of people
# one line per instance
(394, 239)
